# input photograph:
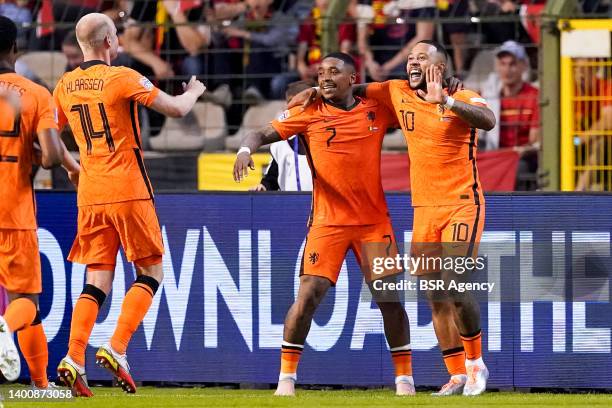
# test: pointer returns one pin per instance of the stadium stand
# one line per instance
(246, 52)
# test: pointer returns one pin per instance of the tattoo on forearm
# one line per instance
(254, 140)
(476, 116)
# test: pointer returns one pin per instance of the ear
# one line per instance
(107, 41)
(442, 68)
(353, 78)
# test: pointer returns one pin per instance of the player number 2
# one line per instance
(13, 133)
(88, 127)
(460, 231)
(407, 120)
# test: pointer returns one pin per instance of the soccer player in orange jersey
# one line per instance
(115, 197)
(27, 116)
(343, 136)
(441, 133)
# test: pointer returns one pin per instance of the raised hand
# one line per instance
(194, 86)
(435, 91)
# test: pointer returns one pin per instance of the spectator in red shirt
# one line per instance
(519, 115)
(309, 52)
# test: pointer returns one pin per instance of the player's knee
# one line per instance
(443, 307)
(148, 282)
(151, 266)
(391, 309)
(101, 278)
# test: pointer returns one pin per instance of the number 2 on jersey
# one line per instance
(88, 128)
(13, 133)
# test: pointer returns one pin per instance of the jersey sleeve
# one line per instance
(381, 92)
(388, 116)
(60, 117)
(291, 122)
(46, 111)
(137, 87)
(470, 97)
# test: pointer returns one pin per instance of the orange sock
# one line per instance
(33, 345)
(290, 358)
(402, 360)
(454, 359)
(83, 319)
(134, 308)
(20, 313)
(473, 345)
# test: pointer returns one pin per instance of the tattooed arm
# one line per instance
(479, 117)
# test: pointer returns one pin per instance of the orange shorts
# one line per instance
(447, 230)
(327, 246)
(20, 261)
(102, 228)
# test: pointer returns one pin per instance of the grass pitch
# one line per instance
(149, 397)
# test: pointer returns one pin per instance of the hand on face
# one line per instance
(435, 91)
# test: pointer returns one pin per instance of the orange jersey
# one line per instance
(100, 104)
(441, 146)
(343, 150)
(17, 137)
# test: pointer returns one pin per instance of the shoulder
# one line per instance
(297, 112)
(399, 84)
(127, 76)
(469, 96)
(32, 86)
(370, 103)
(529, 89)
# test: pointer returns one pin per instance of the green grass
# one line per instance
(149, 397)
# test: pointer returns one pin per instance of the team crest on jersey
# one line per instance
(372, 117)
(284, 116)
(146, 84)
(313, 258)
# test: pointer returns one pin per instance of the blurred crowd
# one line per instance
(248, 51)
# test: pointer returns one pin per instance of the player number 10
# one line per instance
(407, 120)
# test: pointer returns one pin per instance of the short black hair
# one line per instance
(71, 39)
(8, 34)
(295, 88)
(342, 56)
(439, 47)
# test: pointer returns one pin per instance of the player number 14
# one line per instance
(88, 128)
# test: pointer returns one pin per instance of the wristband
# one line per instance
(450, 102)
(244, 149)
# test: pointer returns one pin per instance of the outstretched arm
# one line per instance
(250, 144)
(479, 117)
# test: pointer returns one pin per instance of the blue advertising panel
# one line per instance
(231, 268)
